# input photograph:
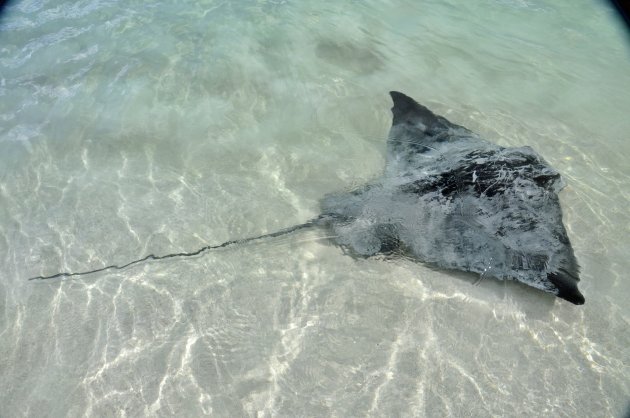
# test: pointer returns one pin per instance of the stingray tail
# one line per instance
(320, 220)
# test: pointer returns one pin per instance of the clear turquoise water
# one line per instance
(129, 128)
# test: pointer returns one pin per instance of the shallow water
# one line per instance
(130, 128)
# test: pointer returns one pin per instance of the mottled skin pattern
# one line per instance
(456, 201)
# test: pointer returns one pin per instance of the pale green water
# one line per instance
(129, 128)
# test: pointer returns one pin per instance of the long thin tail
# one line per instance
(312, 222)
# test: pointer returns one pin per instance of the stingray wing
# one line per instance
(501, 201)
(416, 129)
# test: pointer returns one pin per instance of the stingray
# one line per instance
(452, 200)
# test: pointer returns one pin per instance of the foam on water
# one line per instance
(129, 128)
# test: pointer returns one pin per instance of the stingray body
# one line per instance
(450, 199)
(453, 200)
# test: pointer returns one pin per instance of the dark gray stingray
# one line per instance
(456, 201)
(453, 200)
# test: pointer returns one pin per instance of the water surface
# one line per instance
(129, 128)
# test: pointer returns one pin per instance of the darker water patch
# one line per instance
(347, 55)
